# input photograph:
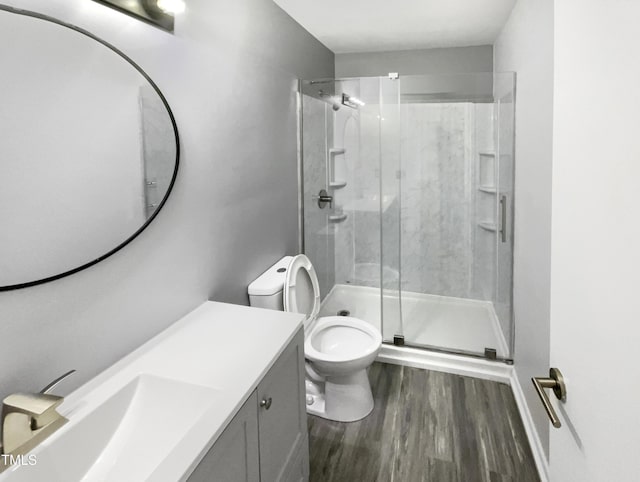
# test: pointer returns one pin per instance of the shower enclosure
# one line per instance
(406, 206)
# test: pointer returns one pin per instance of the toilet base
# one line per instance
(346, 398)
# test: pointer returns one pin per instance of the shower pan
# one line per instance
(418, 238)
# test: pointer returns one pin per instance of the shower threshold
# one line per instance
(441, 324)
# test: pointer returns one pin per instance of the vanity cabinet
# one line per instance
(282, 418)
(267, 440)
(234, 456)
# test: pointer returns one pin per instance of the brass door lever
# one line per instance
(556, 383)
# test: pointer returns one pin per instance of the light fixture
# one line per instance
(171, 6)
(159, 13)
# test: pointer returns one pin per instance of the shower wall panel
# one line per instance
(437, 197)
(358, 250)
(439, 148)
(484, 269)
(346, 135)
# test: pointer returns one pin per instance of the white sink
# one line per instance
(125, 438)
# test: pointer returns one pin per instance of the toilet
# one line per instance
(338, 349)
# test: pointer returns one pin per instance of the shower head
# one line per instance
(331, 99)
(351, 101)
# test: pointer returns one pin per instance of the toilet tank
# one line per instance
(266, 290)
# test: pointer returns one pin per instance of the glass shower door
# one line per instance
(454, 199)
(504, 108)
(355, 187)
(316, 135)
(340, 153)
(390, 210)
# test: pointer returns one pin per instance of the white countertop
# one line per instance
(219, 346)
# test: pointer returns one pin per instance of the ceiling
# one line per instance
(384, 25)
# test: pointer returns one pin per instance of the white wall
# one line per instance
(526, 47)
(229, 74)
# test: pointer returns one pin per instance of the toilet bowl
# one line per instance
(338, 349)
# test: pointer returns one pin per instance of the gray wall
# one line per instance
(526, 46)
(229, 74)
(415, 62)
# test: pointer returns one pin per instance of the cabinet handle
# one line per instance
(266, 403)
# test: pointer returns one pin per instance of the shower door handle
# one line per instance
(556, 383)
(503, 218)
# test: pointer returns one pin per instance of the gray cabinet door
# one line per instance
(234, 457)
(282, 418)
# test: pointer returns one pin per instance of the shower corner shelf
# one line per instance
(488, 189)
(337, 218)
(337, 150)
(487, 153)
(337, 184)
(488, 226)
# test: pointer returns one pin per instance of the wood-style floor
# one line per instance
(426, 426)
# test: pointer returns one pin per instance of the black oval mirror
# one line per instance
(89, 149)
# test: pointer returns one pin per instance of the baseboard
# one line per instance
(532, 434)
(478, 368)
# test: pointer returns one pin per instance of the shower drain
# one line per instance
(344, 313)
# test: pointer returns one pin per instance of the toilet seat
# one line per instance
(341, 339)
(301, 288)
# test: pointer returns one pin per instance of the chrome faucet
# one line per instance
(27, 420)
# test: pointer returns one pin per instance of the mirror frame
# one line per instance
(46, 18)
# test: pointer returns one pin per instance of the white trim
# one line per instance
(478, 368)
(532, 434)
(443, 362)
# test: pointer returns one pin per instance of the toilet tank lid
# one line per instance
(271, 281)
